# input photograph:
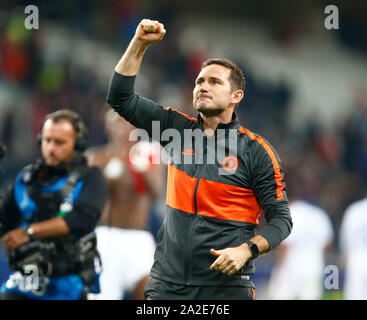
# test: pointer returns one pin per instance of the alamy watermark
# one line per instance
(32, 20)
(332, 19)
(25, 281)
(192, 146)
(331, 281)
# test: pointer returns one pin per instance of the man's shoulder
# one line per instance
(97, 150)
(27, 173)
(308, 211)
(93, 179)
(357, 207)
(92, 169)
(306, 206)
(97, 155)
(252, 136)
(90, 173)
(257, 143)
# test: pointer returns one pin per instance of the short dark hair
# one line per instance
(237, 79)
(68, 115)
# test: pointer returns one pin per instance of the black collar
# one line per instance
(233, 124)
(48, 172)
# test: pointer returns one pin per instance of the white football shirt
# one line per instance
(353, 244)
(299, 275)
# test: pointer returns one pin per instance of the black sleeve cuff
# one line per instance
(276, 231)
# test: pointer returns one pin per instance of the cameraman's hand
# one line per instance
(14, 239)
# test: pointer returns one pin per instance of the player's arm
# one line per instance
(121, 96)
(269, 190)
(154, 180)
(146, 159)
(147, 32)
(230, 260)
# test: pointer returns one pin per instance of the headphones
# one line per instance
(77, 123)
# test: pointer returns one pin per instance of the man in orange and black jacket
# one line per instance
(218, 181)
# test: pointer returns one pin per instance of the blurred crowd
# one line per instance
(327, 166)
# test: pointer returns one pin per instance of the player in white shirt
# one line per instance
(353, 245)
(299, 269)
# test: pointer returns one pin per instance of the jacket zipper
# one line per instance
(193, 224)
(190, 239)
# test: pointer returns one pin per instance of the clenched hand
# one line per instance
(149, 31)
(14, 239)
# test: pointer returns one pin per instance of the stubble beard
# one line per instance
(209, 111)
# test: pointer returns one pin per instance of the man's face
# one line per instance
(58, 141)
(213, 92)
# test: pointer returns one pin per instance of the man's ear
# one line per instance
(237, 96)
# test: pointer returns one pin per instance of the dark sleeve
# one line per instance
(89, 206)
(10, 215)
(270, 192)
(140, 111)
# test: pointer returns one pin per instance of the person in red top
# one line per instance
(216, 190)
(125, 245)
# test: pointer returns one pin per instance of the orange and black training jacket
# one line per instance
(206, 208)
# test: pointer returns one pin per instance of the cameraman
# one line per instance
(48, 217)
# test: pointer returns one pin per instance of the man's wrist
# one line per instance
(247, 251)
(137, 48)
(254, 249)
(29, 231)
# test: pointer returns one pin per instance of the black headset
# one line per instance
(77, 123)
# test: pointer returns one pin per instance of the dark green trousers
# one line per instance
(161, 290)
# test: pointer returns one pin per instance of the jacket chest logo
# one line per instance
(230, 163)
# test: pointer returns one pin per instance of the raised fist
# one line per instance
(150, 31)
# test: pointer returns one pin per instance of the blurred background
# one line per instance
(305, 85)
